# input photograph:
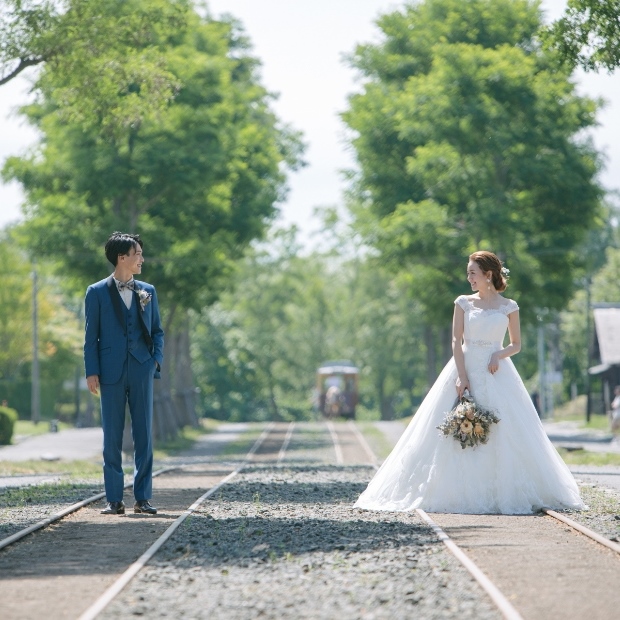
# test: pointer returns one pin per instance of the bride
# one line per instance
(518, 471)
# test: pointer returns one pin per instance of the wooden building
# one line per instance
(605, 353)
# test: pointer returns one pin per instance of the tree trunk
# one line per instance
(446, 344)
(431, 356)
(275, 411)
(385, 402)
(387, 408)
(184, 392)
(166, 422)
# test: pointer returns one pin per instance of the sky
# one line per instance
(301, 45)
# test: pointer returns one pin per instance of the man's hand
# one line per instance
(93, 384)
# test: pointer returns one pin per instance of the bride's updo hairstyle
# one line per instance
(487, 261)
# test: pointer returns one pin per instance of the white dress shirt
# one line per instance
(126, 294)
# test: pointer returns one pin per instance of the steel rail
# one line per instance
(501, 602)
(334, 436)
(9, 540)
(287, 440)
(114, 590)
(586, 531)
(505, 607)
(364, 443)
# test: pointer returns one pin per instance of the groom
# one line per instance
(123, 352)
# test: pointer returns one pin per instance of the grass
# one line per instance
(76, 469)
(27, 427)
(87, 469)
(186, 438)
(376, 439)
(62, 492)
(584, 457)
(241, 446)
(575, 411)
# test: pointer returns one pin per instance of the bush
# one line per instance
(8, 417)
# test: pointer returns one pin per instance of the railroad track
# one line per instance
(273, 446)
(502, 602)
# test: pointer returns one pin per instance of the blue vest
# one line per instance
(136, 344)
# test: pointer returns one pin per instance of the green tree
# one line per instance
(257, 350)
(199, 180)
(466, 138)
(59, 331)
(588, 34)
(225, 366)
(112, 47)
(606, 282)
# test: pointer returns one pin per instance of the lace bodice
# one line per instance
(485, 327)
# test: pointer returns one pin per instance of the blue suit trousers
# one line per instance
(136, 388)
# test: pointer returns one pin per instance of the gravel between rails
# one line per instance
(286, 543)
(603, 513)
(24, 506)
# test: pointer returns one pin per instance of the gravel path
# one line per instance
(603, 513)
(286, 543)
(278, 541)
(24, 506)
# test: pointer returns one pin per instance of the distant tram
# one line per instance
(337, 390)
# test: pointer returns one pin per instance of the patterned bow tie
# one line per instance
(130, 285)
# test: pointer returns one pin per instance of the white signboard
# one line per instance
(607, 321)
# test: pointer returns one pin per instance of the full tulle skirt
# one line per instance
(517, 472)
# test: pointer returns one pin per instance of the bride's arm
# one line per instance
(514, 331)
(458, 327)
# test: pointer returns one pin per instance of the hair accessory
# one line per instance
(505, 272)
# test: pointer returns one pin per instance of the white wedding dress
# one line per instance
(517, 472)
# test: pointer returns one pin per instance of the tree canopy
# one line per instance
(467, 137)
(95, 45)
(199, 179)
(588, 34)
(256, 351)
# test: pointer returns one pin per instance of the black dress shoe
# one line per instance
(114, 508)
(144, 506)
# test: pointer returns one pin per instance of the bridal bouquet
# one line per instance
(468, 423)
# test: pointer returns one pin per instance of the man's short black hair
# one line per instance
(121, 243)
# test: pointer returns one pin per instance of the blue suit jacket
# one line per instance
(105, 342)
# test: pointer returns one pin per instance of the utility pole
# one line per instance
(78, 376)
(588, 350)
(542, 370)
(36, 388)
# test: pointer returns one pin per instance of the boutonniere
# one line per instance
(144, 297)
